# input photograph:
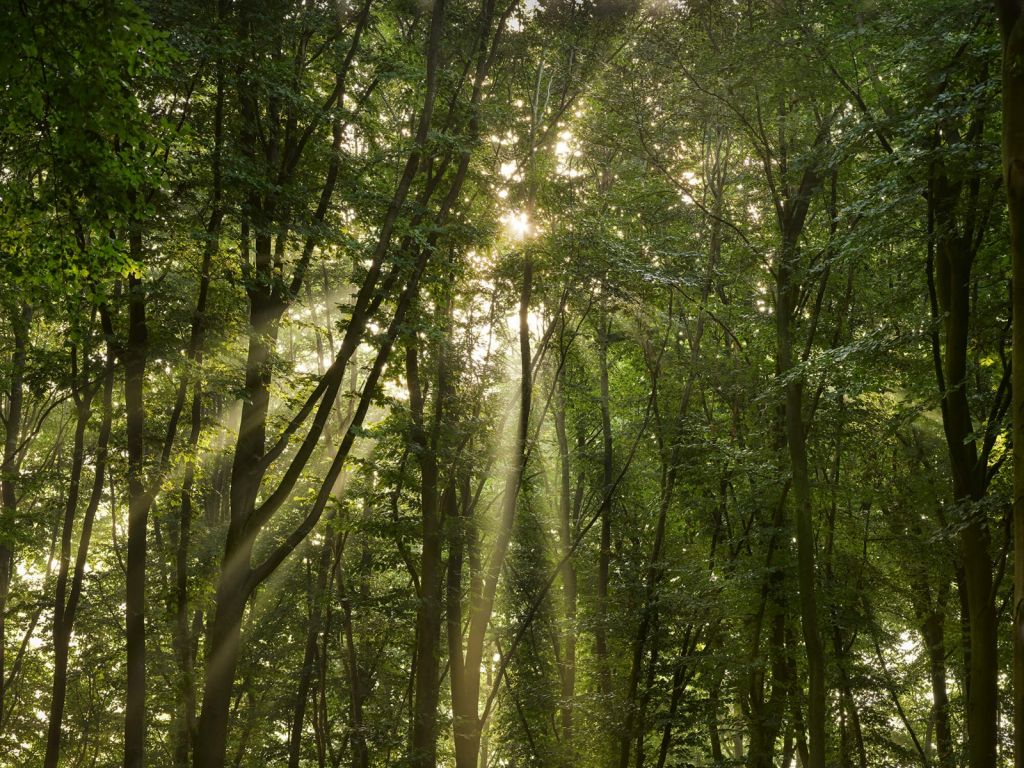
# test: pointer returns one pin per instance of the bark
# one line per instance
(604, 552)
(313, 630)
(568, 576)
(933, 632)
(952, 289)
(70, 578)
(357, 689)
(764, 712)
(714, 705)
(222, 651)
(182, 640)
(135, 354)
(1011, 17)
(428, 613)
(457, 536)
(9, 474)
(796, 440)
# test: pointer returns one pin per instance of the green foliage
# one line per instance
(79, 151)
(640, 165)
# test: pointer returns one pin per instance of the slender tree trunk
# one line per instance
(933, 631)
(9, 475)
(136, 351)
(458, 530)
(69, 580)
(428, 613)
(853, 729)
(313, 628)
(648, 612)
(568, 576)
(851, 733)
(1011, 17)
(983, 691)
(765, 712)
(796, 440)
(640, 729)
(952, 289)
(604, 553)
(714, 734)
(320, 718)
(182, 640)
(223, 642)
(61, 631)
(357, 689)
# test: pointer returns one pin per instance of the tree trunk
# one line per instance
(357, 691)
(933, 631)
(952, 290)
(568, 576)
(9, 475)
(428, 613)
(136, 351)
(604, 553)
(796, 440)
(313, 628)
(182, 640)
(648, 616)
(69, 582)
(458, 530)
(764, 713)
(714, 735)
(222, 651)
(1011, 17)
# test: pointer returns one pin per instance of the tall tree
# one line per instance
(1011, 20)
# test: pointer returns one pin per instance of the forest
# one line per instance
(512, 383)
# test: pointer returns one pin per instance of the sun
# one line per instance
(517, 224)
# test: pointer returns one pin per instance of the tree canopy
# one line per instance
(482, 383)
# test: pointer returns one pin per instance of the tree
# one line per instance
(579, 382)
(1010, 18)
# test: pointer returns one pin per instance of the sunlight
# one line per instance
(517, 224)
(343, 411)
(534, 320)
(508, 170)
(566, 151)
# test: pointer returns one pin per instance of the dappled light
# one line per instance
(500, 384)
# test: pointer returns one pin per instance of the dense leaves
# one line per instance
(558, 383)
